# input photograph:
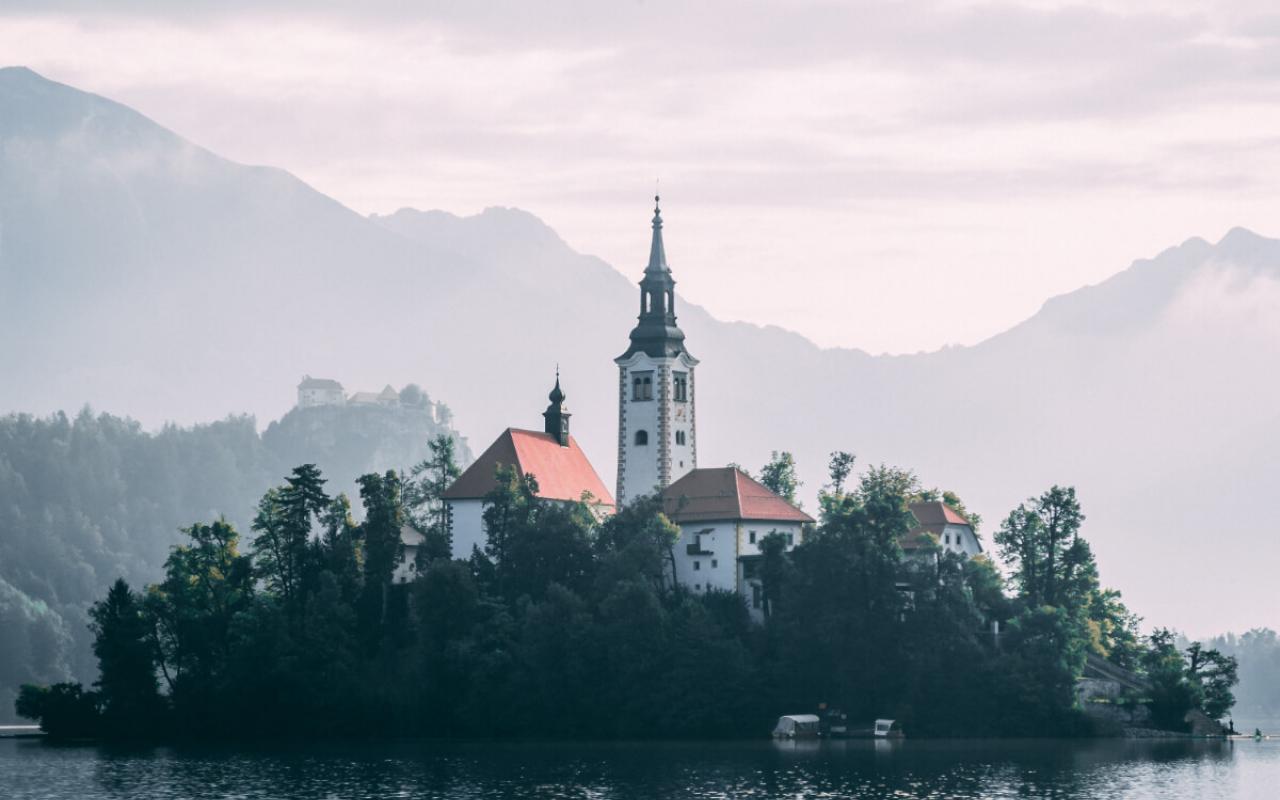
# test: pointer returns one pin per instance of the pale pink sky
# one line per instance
(889, 176)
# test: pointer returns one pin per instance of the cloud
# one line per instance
(945, 132)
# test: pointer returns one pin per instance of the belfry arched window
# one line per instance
(642, 437)
(642, 386)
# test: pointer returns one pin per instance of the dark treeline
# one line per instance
(89, 498)
(565, 626)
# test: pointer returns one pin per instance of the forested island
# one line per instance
(568, 626)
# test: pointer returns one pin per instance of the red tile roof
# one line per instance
(931, 517)
(563, 473)
(723, 494)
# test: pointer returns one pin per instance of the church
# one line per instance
(723, 514)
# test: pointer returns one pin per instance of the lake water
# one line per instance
(1063, 770)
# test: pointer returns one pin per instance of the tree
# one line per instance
(425, 488)
(839, 467)
(773, 565)
(127, 672)
(63, 710)
(779, 476)
(207, 583)
(1214, 674)
(341, 548)
(839, 626)
(383, 518)
(1172, 695)
(551, 547)
(412, 396)
(284, 522)
(1114, 629)
(1050, 563)
(508, 508)
(638, 542)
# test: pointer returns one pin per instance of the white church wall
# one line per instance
(467, 526)
(753, 531)
(717, 567)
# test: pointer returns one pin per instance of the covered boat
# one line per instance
(796, 726)
(888, 729)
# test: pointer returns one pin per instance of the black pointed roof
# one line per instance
(656, 333)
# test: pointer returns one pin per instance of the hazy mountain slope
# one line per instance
(147, 276)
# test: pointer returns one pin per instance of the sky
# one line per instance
(889, 176)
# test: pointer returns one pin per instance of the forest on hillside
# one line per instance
(89, 498)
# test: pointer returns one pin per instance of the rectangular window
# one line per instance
(714, 564)
(791, 539)
(679, 437)
(755, 595)
(680, 387)
(751, 537)
(697, 565)
(642, 386)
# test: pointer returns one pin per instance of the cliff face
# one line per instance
(349, 441)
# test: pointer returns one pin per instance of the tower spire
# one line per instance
(657, 253)
(557, 414)
(657, 333)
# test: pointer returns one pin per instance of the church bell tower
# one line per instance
(657, 437)
(556, 417)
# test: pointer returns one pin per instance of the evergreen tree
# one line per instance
(425, 488)
(283, 549)
(383, 518)
(127, 671)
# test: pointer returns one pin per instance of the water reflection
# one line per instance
(1071, 770)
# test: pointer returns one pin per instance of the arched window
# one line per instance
(642, 437)
(642, 386)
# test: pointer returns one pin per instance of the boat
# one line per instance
(887, 729)
(797, 726)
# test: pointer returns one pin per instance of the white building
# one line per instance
(387, 397)
(936, 519)
(319, 392)
(410, 540)
(657, 435)
(723, 515)
(552, 456)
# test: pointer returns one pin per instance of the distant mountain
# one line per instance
(143, 274)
